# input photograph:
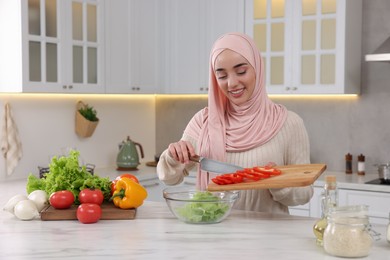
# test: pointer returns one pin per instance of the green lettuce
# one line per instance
(66, 174)
(204, 211)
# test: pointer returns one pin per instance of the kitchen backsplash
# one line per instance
(46, 126)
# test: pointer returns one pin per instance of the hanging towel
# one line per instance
(11, 147)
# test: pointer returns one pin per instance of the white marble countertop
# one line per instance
(354, 181)
(156, 234)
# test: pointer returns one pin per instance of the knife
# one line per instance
(210, 165)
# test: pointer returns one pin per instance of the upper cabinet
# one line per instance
(308, 46)
(156, 46)
(133, 46)
(52, 46)
(191, 28)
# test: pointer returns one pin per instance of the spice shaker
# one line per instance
(348, 163)
(361, 165)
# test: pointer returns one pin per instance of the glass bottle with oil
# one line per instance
(329, 199)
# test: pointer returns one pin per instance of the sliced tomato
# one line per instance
(254, 171)
(221, 181)
(229, 178)
(269, 171)
(247, 175)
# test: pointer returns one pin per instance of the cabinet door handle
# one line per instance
(294, 88)
(70, 86)
(287, 88)
(189, 183)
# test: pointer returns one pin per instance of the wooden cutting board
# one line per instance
(109, 212)
(292, 176)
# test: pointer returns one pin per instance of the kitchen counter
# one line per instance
(156, 234)
(354, 181)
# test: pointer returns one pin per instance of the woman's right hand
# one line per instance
(181, 151)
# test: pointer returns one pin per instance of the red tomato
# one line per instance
(94, 196)
(88, 213)
(127, 175)
(61, 199)
(124, 175)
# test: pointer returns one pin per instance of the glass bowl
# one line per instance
(199, 207)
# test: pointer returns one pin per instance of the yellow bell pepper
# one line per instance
(128, 194)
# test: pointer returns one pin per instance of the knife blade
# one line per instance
(210, 165)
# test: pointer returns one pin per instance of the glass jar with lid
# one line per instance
(388, 231)
(348, 233)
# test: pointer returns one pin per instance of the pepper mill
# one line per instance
(348, 163)
(361, 165)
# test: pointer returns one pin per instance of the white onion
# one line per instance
(10, 205)
(39, 197)
(26, 210)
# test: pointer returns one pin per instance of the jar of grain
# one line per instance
(349, 232)
(388, 231)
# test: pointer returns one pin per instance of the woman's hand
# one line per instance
(181, 151)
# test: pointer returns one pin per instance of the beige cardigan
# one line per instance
(289, 146)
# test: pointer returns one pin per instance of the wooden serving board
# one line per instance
(298, 175)
(109, 212)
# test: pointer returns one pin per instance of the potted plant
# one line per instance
(86, 119)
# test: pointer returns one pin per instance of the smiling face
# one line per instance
(235, 76)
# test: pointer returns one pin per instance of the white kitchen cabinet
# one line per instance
(191, 29)
(312, 208)
(52, 46)
(301, 210)
(134, 48)
(308, 46)
(315, 202)
(378, 203)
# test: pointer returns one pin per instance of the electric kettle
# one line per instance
(128, 158)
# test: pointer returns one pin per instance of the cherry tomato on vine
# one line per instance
(61, 199)
(94, 196)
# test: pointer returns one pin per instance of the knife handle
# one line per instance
(195, 158)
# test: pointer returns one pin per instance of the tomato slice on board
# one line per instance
(229, 178)
(247, 175)
(269, 171)
(262, 175)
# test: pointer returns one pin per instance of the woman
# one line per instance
(241, 126)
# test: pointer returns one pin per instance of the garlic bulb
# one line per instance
(40, 199)
(26, 210)
(10, 205)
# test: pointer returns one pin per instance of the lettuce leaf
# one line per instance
(66, 174)
(205, 211)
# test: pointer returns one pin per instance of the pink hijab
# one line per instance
(228, 127)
